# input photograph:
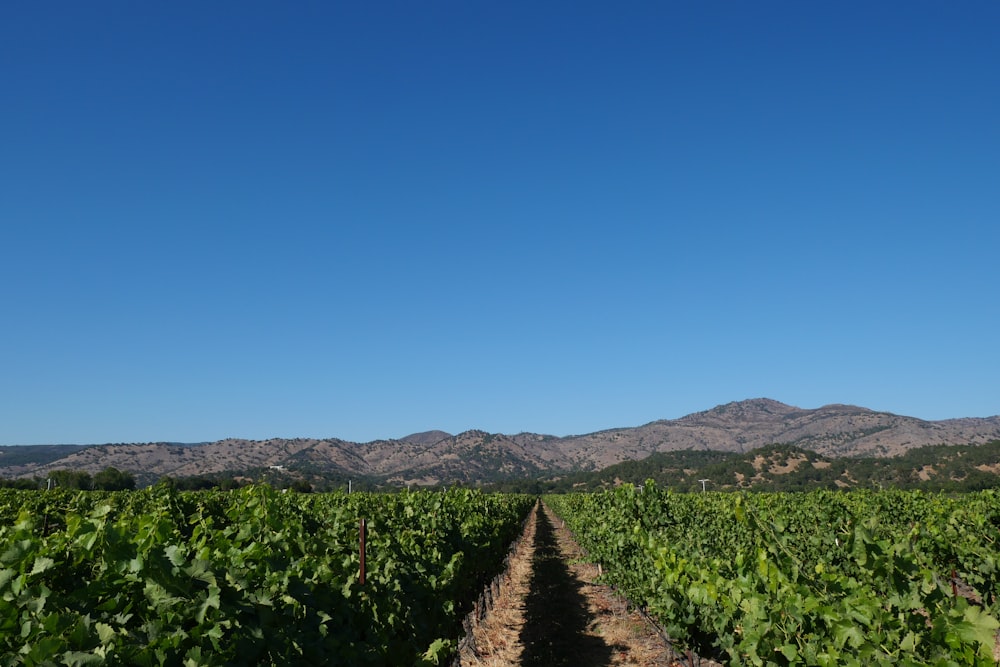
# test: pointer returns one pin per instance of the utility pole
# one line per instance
(703, 484)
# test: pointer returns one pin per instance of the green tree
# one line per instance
(302, 486)
(71, 479)
(113, 479)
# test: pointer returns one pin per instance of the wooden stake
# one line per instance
(363, 529)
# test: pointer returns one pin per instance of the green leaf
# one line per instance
(846, 632)
(200, 569)
(176, 555)
(439, 650)
(790, 651)
(979, 627)
(193, 658)
(78, 659)
(42, 563)
(211, 602)
(105, 632)
(16, 552)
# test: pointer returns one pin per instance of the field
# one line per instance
(255, 576)
(247, 577)
(825, 578)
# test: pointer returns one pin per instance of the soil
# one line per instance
(551, 611)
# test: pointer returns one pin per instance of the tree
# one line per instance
(166, 482)
(113, 479)
(71, 479)
(19, 483)
(302, 486)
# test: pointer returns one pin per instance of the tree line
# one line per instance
(109, 479)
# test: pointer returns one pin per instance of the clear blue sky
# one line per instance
(366, 219)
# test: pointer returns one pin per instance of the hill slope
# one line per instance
(475, 456)
(789, 468)
(832, 430)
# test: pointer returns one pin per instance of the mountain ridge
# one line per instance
(474, 456)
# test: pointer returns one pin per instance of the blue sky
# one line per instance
(363, 220)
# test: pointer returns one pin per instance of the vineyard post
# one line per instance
(363, 528)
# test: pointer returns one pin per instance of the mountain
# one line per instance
(436, 457)
(832, 430)
(16, 455)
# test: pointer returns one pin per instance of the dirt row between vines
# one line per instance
(551, 611)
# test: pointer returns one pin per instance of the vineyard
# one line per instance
(825, 578)
(247, 577)
(255, 576)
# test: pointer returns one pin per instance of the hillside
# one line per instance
(436, 457)
(789, 468)
(832, 430)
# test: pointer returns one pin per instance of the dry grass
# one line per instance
(550, 610)
(791, 464)
(928, 471)
(496, 639)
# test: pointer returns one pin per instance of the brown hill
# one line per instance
(426, 438)
(437, 457)
(832, 430)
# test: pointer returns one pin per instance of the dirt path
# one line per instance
(550, 612)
